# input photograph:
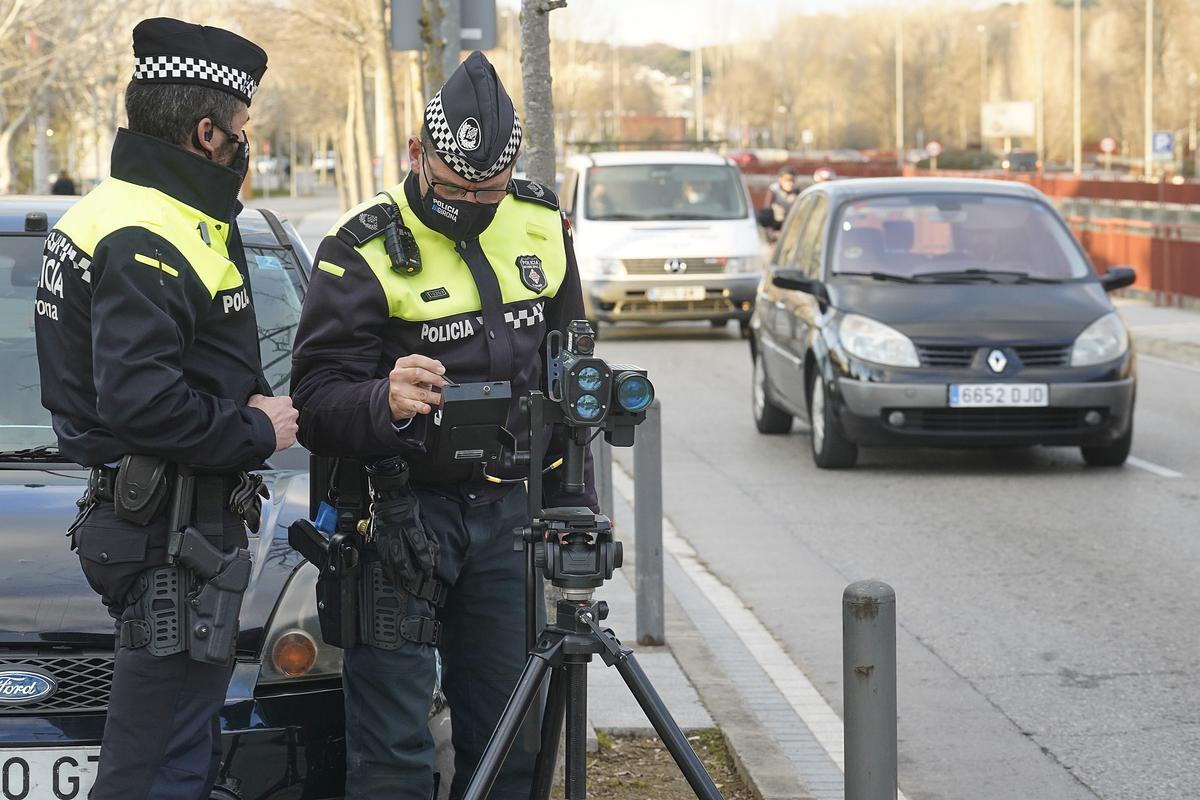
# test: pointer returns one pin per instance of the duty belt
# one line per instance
(215, 494)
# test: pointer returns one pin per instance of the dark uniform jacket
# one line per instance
(482, 308)
(146, 335)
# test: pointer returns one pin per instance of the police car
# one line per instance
(283, 718)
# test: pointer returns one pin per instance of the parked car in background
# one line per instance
(1020, 161)
(663, 236)
(282, 724)
(947, 313)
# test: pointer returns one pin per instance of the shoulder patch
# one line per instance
(366, 224)
(535, 192)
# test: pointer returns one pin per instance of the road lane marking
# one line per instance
(1166, 362)
(816, 714)
(1151, 467)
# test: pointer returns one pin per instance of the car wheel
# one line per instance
(768, 417)
(1110, 455)
(830, 448)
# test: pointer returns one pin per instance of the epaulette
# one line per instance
(366, 224)
(536, 192)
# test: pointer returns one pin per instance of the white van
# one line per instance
(663, 236)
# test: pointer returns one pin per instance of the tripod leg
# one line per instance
(552, 725)
(656, 711)
(523, 697)
(576, 767)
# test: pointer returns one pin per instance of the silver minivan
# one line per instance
(663, 236)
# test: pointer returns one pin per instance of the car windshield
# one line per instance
(665, 192)
(23, 421)
(955, 237)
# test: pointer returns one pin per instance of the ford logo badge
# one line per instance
(21, 687)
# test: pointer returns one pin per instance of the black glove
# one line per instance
(407, 553)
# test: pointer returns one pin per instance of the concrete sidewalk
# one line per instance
(1161, 331)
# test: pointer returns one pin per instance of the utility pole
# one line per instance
(616, 91)
(1039, 33)
(1148, 110)
(539, 97)
(899, 92)
(451, 35)
(983, 83)
(1077, 153)
(698, 90)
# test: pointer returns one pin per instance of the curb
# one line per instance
(1183, 352)
(757, 757)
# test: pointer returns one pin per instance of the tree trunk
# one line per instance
(539, 96)
(385, 95)
(362, 135)
(435, 46)
(7, 173)
(347, 166)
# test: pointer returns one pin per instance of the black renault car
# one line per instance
(946, 313)
(283, 718)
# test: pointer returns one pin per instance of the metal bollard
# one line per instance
(647, 522)
(869, 689)
(602, 469)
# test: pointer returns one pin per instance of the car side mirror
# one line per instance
(797, 281)
(1118, 278)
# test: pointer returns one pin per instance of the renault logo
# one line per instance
(675, 266)
(997, 361)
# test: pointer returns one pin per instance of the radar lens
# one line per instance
(587, 407)
(589, 379)
(635, 393)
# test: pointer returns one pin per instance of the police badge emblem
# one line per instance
(532, 275)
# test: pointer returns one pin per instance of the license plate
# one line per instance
(47, 772)
(674, 294)
(999, 395)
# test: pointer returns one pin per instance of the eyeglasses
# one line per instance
(452, 191)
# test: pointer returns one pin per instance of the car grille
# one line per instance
(84, 682)
(716, 304)
(992, 420)
(959, 356)
(657, 266)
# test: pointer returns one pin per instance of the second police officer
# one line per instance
(378, 338)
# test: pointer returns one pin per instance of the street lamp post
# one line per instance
(1148, 121)
(899, 92)
(983, 82)
(1077, 151)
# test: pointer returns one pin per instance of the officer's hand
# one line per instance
(283, 418)
(410, 386)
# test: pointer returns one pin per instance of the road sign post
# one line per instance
(933, 149)
(1108, 146)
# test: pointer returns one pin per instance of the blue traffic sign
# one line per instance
(1163, 143)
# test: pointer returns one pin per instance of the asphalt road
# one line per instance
(1048, 645)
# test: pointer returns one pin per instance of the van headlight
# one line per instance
(1103, 340)
(871, 340)
(294, 650)
(745, 264)
(592, 267)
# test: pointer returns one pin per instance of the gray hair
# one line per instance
(170, 111)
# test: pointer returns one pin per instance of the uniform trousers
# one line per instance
(389, 749)
(162, 735)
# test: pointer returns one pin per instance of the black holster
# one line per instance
(338, 592)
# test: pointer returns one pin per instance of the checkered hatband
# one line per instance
(446, 145)
(168, 68)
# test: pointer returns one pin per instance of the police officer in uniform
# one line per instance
(150, 367)
(482, 269)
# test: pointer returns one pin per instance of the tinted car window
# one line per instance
(920, 234)
(567, 198)
(793, 227)
(812, 240)
(24, 423)
(665, 191)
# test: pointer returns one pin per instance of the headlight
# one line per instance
(745, 264)
(1103, 340)
(294, 648)
(873, 341)
(598, 267)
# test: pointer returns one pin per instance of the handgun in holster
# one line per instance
(338, 501)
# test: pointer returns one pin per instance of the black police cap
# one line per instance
(472, 122)
(168, 50)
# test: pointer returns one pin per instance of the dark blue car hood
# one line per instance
(978, 311)
(44, 598)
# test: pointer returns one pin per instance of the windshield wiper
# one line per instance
(958, 275)
(44, 452)
(880, 276)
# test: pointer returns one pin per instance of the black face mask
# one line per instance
(241, 158)
(457, 220)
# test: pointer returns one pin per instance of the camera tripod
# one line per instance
(576, 551)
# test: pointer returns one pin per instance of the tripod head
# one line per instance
(574, 548)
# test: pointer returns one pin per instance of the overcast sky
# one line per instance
(686, 23)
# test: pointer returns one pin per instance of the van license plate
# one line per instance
(999, 395)
(48, 772)
(674, 294)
